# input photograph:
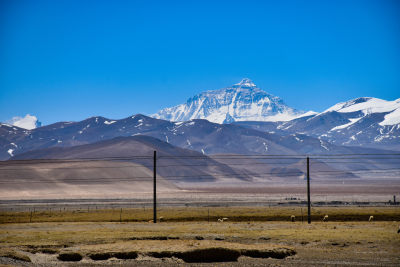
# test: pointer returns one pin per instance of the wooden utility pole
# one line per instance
(308, 190)
(155, 187)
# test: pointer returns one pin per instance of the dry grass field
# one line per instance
(182, 214)
(251, 236)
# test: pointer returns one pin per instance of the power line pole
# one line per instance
(308, 190)
(155, 187)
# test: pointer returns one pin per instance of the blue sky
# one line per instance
(69, 60)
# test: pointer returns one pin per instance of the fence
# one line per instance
(162, 181)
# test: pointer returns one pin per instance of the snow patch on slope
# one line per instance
(391, 118)
(352, 121)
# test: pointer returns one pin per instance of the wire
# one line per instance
(189, 165)
(77, 168)
(25, 161)
(177, 177)
(232, 157)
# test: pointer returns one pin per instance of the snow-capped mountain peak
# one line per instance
(246, 83)
(243, 101)
(366, 104)
(370, 105)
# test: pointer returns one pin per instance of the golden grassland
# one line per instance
(176, 214)
(354, 242)
(343, 240)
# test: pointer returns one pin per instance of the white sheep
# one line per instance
(371, 218)
(325, 218)
(292, 218)
(161, 219)
(222, 219)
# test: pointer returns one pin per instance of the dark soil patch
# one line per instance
(162, 254)
(199, 237)
(273, 253)
(126, 255)
(222, 254)
(100, 256)
(69, 256)
(48, 250)
(209, 255)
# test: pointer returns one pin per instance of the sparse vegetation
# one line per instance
(360, 241)
(235, 214)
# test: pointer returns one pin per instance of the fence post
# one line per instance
(155, 187)
(308, 191)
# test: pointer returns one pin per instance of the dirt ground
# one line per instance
(373, 243)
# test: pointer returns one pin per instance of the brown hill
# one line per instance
(120, 167)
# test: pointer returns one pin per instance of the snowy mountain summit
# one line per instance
(368, 106)
(243, 101)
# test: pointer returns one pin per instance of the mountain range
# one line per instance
(101, 137)
(217, 138)
(254, 122)
(199, 135)
(364, 122)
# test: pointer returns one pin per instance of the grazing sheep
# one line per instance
(292, 218)
(371, 218)
(161, 218)
(222, 219)
(325, 218)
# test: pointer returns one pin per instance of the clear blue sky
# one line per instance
(69, 60)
